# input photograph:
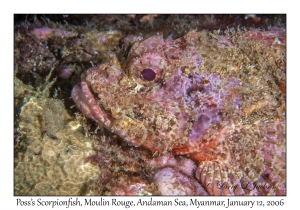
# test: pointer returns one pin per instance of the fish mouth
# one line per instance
(130, 130)
(85, 101)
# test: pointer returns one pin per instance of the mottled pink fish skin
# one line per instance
(184, 110)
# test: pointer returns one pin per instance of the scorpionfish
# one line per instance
(216, 99)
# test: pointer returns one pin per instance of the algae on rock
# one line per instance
(53, 159)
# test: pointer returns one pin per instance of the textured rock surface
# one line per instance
(52, 164)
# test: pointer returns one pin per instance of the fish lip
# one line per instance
(86, 102)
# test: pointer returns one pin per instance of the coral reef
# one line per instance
(123, 164)
(38, 48)
(50, 153)
(175, 104)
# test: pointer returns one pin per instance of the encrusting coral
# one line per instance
(50, 154)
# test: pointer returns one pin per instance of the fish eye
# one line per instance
(148, 74)
(148, 69)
